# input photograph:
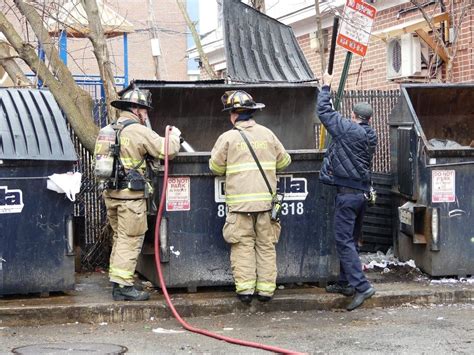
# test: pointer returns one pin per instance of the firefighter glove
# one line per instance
(175, 132)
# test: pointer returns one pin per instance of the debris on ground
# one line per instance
(452, 281)
(383, 261)
(388, 268)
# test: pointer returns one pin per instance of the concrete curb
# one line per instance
(218, 304)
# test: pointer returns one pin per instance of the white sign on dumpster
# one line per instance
(357, 22)
(178, 194)
(443, 187)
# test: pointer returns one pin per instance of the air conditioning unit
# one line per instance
(403, 57)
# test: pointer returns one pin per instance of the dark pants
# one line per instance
(348, 216)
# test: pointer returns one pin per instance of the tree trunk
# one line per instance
(11, 67)
(101, 52)
(80, 118)
(319, 28)
(197, 40)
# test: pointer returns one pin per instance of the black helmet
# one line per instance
(239, 100)
(133, 97)
(363, 110)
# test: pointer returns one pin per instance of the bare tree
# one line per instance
(446, 51)
(197, 40)
(76, 103)
(258, 5)
(96, 35)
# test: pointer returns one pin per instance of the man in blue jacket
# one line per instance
(347, 165)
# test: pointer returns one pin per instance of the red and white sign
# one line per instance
(178, 194)
(357, 24)
(443, 186)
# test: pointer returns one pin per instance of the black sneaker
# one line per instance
(262, 298)
(360, 297)
(128, 293)
(245, 298)
(337, 288)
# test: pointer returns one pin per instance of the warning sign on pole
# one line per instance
(178, 194)
(358, 19)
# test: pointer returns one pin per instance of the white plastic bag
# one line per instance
(68, 183)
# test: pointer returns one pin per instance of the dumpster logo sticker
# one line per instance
(443, 187)
(295, 189)
(11, 201)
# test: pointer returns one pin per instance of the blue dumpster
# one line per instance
(432, 155)
(36, 253)
(193, 251)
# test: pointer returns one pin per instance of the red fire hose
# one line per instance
(162, 281)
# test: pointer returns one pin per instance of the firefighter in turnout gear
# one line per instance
(249, 229)
(126, 198)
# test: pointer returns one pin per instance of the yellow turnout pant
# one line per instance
(252, 237)
(128, 221)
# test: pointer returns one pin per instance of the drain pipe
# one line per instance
(186, 325)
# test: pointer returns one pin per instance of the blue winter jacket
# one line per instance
(348, 158)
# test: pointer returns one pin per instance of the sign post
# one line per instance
(354, 35)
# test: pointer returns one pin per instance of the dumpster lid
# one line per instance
(32, 127)
(259, 48)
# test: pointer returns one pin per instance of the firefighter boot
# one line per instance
(128, 293)
(246, 299)
(263, 298)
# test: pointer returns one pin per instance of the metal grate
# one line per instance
(382, 103)
(89, 208)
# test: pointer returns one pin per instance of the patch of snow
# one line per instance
(166, 331)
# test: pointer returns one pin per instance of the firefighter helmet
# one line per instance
(133, 97)
(239, 101)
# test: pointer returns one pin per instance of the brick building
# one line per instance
(394, 18)
(171, 32)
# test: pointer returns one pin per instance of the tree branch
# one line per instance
(96, 36)
(197, 40)
(11, 67)
(80, 118)
(82, 98)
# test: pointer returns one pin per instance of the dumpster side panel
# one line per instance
(33, 243)
(198, 255)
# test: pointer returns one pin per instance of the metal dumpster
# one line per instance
(35, 223)
(432, 133)
(193, 251)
